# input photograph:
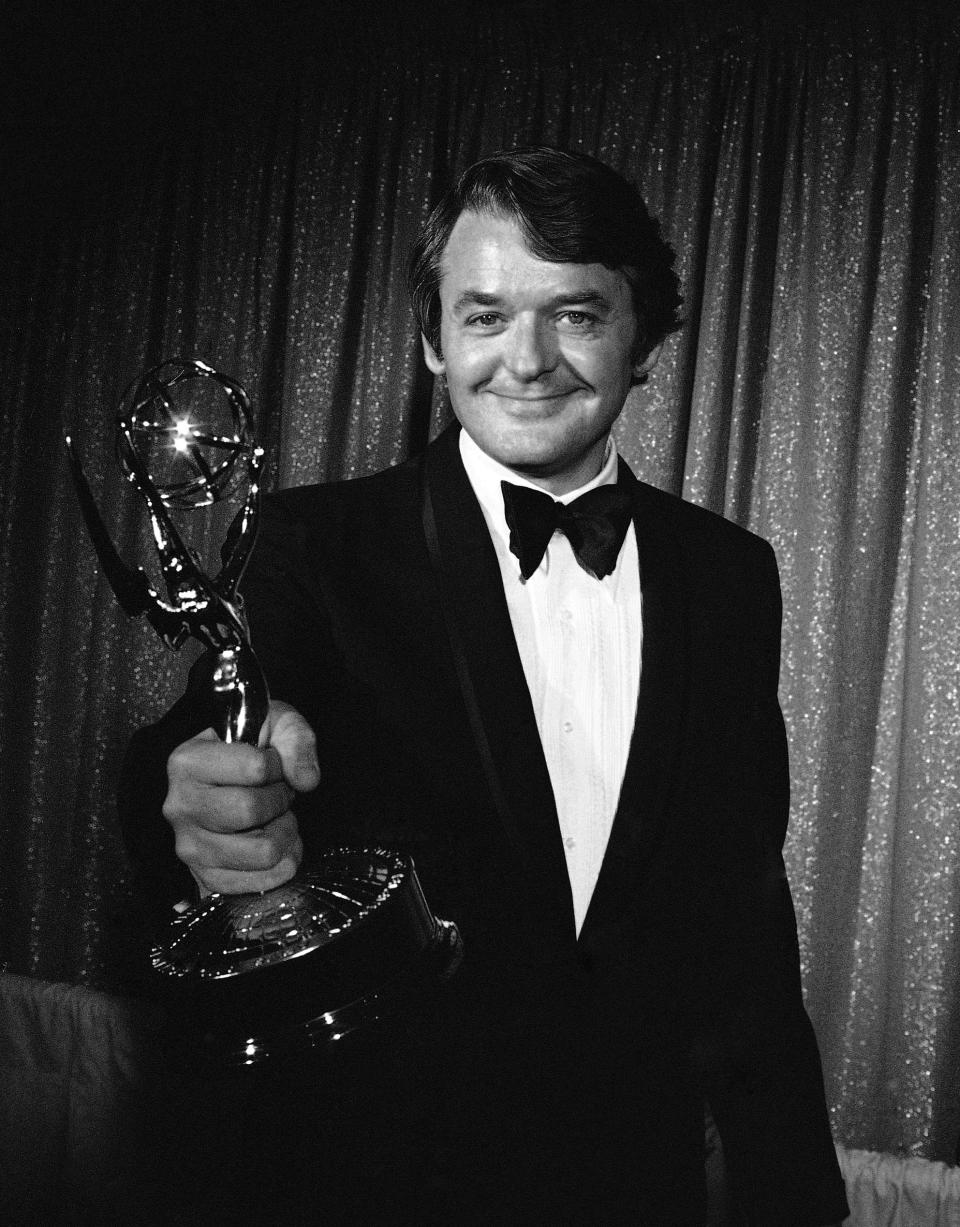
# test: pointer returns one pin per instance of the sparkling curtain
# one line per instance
(808, 173)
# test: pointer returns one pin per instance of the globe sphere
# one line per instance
(188, 429)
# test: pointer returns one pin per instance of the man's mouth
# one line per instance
(528, 398)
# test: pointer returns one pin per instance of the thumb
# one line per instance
(293, 739)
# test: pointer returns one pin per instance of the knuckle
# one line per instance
(175, 806)
(262, 767)
(246, 810)
(176, 763)
(295, 854)
(283, 871)
(255, 769)
(260, 853)
(185, 846)
(218, 880)
(286, 824)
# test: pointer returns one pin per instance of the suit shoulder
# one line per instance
(383, 488)
(699, 527)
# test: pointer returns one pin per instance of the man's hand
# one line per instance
(229, 805)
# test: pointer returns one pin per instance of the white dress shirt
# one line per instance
(579, 640)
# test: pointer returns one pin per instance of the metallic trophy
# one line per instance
(350, 938)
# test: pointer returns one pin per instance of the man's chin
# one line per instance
(556, 473)
(529, 461)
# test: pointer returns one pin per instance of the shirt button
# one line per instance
(566, 615)
(568, 726)
(570, 842)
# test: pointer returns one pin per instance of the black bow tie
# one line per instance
(595, 525)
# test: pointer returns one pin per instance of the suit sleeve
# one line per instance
(285, 632)
(161, 880)
(755, 1046)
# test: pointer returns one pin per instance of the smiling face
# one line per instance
(538, 357)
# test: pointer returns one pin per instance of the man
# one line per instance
(570, 719)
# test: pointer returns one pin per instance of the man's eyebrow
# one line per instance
(476, 298)
(577, 298)
(584, 298)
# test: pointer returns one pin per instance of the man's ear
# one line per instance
(643, 366)
(434, 362)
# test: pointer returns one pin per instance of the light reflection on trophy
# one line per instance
(350, 939)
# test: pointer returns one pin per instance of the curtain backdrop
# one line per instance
(807, 170)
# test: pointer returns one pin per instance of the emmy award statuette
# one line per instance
(350, 938)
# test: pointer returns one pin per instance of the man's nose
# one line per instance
(531, 350)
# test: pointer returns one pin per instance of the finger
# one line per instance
(240, 881)
(264, 851)
(293, 739)
(206, 759)
(235, 882)
(225, 809)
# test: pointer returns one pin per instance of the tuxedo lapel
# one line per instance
(482, 637)
(639, 820)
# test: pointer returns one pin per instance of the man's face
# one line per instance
(538, 357)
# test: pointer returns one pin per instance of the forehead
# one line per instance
(488, 253)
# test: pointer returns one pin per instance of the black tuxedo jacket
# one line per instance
(555, 1079)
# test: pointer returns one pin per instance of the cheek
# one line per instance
(609, 370)
(466, 367)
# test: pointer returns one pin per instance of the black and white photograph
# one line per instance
(480, 613)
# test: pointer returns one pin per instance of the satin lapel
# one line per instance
(473, 594)
(639, 820)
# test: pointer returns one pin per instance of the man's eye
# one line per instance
(486, 319)
(579, 319)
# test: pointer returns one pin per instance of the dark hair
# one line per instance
(572, 210)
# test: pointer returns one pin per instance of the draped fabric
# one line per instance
(889, 1191)
(807, 170)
